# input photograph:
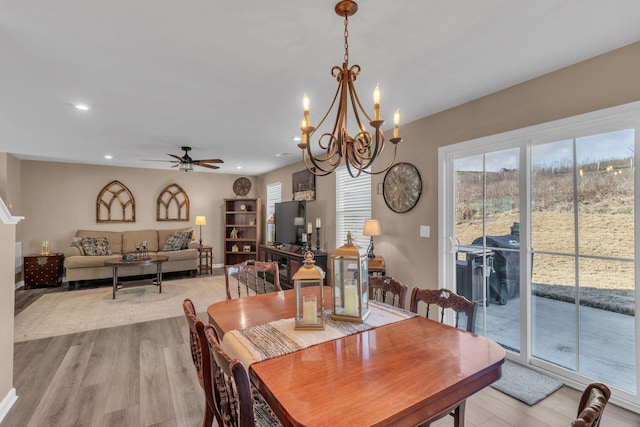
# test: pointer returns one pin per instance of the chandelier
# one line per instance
(362, 149)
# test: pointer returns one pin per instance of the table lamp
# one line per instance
(371, 228)
(201, 220)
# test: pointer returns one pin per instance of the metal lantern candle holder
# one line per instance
(308, 283)
(350, 287)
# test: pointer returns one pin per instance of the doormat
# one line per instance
(525, 384)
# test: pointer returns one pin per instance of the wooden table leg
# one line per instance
(115, 280)
(159, 276)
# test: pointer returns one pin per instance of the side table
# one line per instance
(43, 270)
(376, 267)
(205, 254)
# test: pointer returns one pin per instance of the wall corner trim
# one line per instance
(5, 215)
(7, 402)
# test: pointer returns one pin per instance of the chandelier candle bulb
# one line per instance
(396, 122)
(317, 222)
(305, 104)
(309, 229)
(376, 103)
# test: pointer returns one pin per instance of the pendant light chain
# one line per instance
(346, 38)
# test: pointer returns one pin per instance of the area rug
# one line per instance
(525, 384)
(64, 313)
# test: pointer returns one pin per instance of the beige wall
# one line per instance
(59, 198)
(604, 81)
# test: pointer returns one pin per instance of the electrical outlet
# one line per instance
(425, 231)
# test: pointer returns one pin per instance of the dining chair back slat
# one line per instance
(445, 299)
(251, 277)
(388, 290)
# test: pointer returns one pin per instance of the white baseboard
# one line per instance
(7, 403)
(20, 284)
(217, 265)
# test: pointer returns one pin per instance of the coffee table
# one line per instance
(118, 262)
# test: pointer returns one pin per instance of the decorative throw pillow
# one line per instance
(77, 243)
(95, 246)
(185, 245)
(177, 241)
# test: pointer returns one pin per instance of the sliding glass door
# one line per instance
(539, 227)
(487, 240)
(582, 233)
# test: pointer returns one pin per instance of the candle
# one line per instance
(350, 298)
(304, 238)
(305, 105)
(309, 229)
(376, 103)
(309, 312)
(317, 222)
(396, 122)
(303, 125)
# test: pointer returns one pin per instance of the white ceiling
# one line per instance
(227, 77)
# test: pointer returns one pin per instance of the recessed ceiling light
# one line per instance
(238, 167)
(284, 153)
(82, 107)
(108, 156)
(296, 138)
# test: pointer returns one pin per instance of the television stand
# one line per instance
(289, 258)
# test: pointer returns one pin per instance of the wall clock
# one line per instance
(402, 187)
(241, 186)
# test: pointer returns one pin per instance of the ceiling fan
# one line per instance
(186, 163)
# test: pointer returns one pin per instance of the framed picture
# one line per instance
(304, 185)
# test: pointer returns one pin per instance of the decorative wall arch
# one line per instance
(173, 204)
(115, 203)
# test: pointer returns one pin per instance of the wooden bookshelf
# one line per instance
(244, 216)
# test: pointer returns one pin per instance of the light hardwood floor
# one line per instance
(141, 375)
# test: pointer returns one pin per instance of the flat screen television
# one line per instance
(291, 218)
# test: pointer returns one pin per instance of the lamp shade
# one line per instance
(372, 228)
(201, 220)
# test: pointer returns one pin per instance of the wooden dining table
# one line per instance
(401, 374)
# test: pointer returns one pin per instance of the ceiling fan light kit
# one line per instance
(358, 151)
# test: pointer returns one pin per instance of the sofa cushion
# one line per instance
(114, 238)
(88, 261)
(185, 254)
(163, 235)
(95, 246)
(177, 241)
(132, 238)
(77, 243)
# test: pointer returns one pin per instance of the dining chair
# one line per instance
(241, 405)
(446, 299)
(388, 290)
(250, 278)
(201, 356)
(594, 399)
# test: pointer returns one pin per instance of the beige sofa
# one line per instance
(90, 267)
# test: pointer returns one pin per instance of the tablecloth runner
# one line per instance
(279, 337)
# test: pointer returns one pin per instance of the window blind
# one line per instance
(353, 206)
(274, 195)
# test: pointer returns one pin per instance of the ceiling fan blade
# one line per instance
(152, 160)
(176, 165)
(175, 157)
(208, 161)
(208, 166)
